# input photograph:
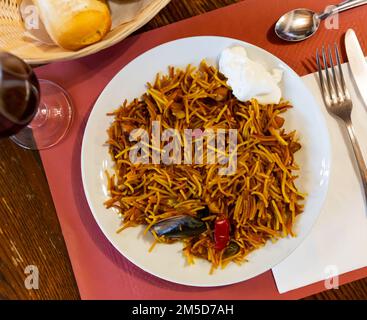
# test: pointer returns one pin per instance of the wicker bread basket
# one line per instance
(13, 39)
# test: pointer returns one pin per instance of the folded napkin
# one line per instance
(337, 243)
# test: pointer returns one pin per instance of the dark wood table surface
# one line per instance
(30, 233)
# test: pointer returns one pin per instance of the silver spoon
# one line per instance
(300, 24)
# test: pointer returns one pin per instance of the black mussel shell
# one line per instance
(203, 213)
(179, 227)
(231, 250)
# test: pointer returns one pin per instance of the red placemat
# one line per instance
(102, 272)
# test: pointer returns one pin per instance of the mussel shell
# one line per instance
(203, 213)
(231, 250)
(179, 227)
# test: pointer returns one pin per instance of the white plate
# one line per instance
(167, 261)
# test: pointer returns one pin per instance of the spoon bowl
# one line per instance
(297, 25)
(300, 24)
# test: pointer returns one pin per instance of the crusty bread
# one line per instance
(74, 24)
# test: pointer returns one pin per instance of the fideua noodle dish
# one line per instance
(203, 157)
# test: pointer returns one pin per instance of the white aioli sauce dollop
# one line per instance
(249, 79)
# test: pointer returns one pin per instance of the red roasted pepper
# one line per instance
(221, 233)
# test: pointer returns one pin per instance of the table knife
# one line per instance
(357, 63)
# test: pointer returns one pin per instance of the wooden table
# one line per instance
(29, 230)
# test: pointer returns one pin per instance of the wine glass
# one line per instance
(36, 114)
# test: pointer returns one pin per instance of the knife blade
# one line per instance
(357, 63)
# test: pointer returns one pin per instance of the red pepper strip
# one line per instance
(221, 234)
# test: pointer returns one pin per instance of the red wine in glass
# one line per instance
(19, 95)
(36, 114)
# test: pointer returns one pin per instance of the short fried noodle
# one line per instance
(260, 199)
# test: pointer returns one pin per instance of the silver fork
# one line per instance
(339, 103)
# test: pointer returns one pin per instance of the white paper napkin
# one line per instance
(338, 242)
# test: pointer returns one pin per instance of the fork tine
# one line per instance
(344, 88)
(328, 81)
(323, 89)
(335, 79)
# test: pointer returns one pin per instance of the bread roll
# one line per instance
(74, 24)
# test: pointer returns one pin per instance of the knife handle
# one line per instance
(358, 154)
(345, 5)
